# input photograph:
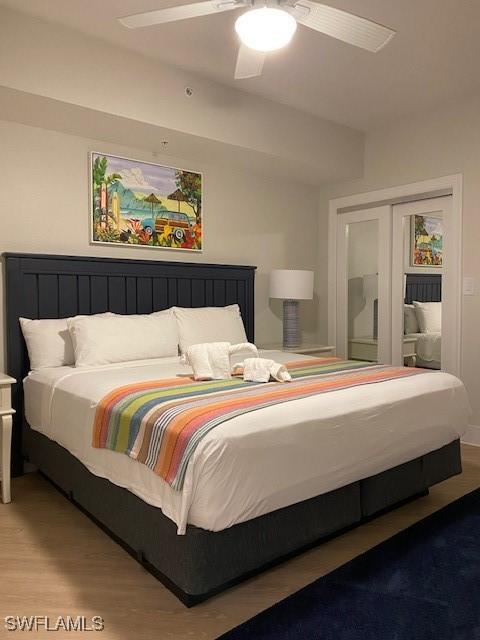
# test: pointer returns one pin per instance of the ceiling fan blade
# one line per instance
(343, 25)
(195, 10)
(249, 63)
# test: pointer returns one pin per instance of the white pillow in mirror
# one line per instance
(123, 338)
(429, 316)
(49, 343)
(410, 322)
(209, 324)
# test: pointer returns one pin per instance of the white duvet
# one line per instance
(263, 460)
(428, 346)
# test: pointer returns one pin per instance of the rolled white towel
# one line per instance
(263, 369)
(211, 360)
(244, 347)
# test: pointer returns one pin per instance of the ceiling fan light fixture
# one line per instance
(265, 29)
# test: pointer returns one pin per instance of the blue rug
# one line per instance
(422, 584)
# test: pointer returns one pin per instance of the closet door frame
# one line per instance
(453, 276)
(383, 216)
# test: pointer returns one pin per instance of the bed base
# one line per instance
(203, 563)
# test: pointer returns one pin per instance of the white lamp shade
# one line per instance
(291, 284)
(370, 286)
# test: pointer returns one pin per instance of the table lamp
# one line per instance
(291, 285)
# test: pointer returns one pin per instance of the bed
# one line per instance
(428, 348)
(262, 486)
(425, 288)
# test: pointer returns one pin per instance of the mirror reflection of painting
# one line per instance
(427, 241)
(143, 204)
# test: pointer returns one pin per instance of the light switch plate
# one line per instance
(468, 286)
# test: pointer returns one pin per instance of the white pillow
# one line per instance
(48, 342)
(119, 338)
(209, 324)
(410, 322)
(429, 316)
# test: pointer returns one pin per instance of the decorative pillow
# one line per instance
(209, 324)
(410, 322)
(429, 316)
(119, 338)
(48, 342)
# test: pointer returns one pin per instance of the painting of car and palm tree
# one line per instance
(145, 204)
(427, 241)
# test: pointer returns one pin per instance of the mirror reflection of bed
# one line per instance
(423, 317)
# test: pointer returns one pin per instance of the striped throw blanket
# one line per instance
(161, 422)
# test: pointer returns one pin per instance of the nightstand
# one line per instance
(6, 413)
(306, 348)
(366, 349)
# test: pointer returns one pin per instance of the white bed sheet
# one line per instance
(428, 347)
(263, 460)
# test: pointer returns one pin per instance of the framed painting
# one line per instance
(137, 203)
(426, 241)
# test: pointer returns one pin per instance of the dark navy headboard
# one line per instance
(423, 287)
(51, 286)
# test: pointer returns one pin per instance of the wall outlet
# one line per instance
(468, 286)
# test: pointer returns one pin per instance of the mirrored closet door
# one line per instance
(364, 284)
(391, 263)
(418, 263)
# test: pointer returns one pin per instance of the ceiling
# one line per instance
(432, 60)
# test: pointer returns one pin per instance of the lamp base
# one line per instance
(291, 331)
(375, 319)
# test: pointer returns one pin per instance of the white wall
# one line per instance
(49, 60)
(248, 219)
(438, 144)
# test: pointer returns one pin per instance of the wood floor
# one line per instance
(54, 561)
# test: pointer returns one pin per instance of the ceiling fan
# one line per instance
(268, 25)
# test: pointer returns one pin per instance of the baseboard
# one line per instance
(472, 435)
